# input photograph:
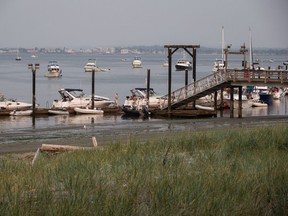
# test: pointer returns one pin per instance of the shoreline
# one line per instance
(29, 140)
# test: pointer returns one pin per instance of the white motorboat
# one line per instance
(218, 65)
(12, 104)
(88, 111)
(137, 62)
(139, 98)
(53, 70)
(71, 98)
(165, 64)
(21, 113)
(183, 64)
(91, 65)
(285, 62)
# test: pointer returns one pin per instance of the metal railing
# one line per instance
(222, 76)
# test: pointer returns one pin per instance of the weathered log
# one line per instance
(51, 147)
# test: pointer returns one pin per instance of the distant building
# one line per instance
(124, 51)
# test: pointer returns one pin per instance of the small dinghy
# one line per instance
(88, 111)
(21, 113)
(259, 103)
(200, 107)
(58, 112)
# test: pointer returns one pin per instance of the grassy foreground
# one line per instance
(235, 172)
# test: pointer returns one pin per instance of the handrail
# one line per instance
(220, 77)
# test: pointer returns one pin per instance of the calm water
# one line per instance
(16, 82)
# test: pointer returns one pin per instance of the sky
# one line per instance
(107, 23)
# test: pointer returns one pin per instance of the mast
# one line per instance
(223, 44)
(251, 50)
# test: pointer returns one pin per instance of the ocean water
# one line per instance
(16, 81)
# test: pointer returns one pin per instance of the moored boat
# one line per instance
(53, 70)
(71, 98)
(12, 104)
(142, 110)
(139, 98)
(88, 111)
(200, 107)
(21, 113)
(58, 112)
(183, 64)
(137, 62)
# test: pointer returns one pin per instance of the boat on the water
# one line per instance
(218, 65)
(18, 58)
(136, 110)
(138, 97)
(183, 64)
(53, 70)
(58, 112)
(137, 62)
(71, 98)
(285, 62)
(88, 111)
(200, 107)
(91, 65)
(13, 104)
(21, 113)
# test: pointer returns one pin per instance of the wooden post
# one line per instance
(93, 87)
(240, 102)
(232, 102)
(169, 79)
(36, 156)
(221, 103)
(34, 90)
(194, 64)
(215, 100)
(194, 71)
(94, 142)
(148, 86)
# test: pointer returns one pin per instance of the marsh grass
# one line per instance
(235, 172)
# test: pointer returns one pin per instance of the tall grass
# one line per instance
(235, 172)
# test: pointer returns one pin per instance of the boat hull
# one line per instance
(58, 112)
(182, 67)
(21, 113)
(51, 74)
(134, 111)
(88, 111)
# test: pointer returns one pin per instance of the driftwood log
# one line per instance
(52, 147)
(61, 148)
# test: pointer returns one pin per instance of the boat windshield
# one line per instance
(143, 92)
(77, 94)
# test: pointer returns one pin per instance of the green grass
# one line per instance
(235, 172)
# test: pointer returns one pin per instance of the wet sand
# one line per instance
(29, 140)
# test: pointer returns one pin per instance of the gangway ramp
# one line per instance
(223, 79)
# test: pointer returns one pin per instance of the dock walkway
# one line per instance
(224, 79)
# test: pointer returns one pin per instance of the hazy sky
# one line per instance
(96, 23)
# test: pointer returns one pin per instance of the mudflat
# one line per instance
(29, 140)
